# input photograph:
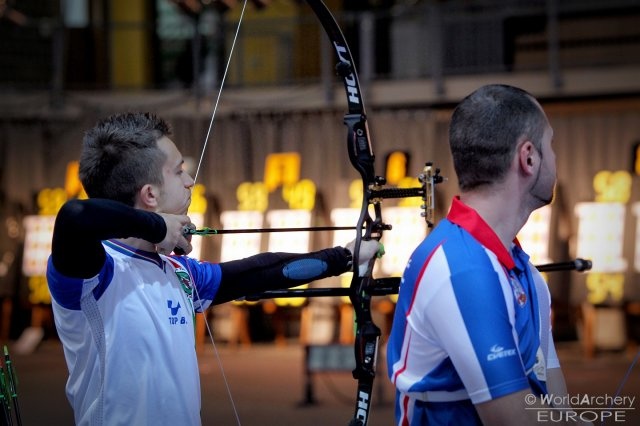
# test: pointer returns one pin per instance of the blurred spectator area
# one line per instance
(156, 44)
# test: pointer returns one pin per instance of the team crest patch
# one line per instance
(518, 291)
(183, 277)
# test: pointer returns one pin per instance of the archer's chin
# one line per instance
(186, 207)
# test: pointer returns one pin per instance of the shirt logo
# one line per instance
(518, 291)
(174, 318)
(174, 310)
(540, 367)
(497, 352)
(183, 276)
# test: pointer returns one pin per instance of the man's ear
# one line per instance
(527, 157)
(148, 196)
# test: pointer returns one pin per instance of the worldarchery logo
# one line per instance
(585, 400)
(581, 408)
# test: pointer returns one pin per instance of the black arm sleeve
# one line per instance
(271, 271)
(82, 225)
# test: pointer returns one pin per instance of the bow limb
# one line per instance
(362, 158)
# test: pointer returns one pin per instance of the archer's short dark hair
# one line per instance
(120, 155)
(485, 130)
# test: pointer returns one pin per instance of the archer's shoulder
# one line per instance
(191, 264)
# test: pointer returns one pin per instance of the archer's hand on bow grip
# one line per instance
(368, 250)
(175, 239)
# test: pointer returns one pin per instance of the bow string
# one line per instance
(188, 230)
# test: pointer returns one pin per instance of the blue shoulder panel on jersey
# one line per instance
(67, 291)
(206, 276)
(481, 302)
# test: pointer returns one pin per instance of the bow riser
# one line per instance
(359, 146)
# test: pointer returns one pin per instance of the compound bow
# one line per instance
(362, 286)
(362, 158)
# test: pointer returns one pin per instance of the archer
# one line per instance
(124, 307)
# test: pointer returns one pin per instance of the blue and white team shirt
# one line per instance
(472, 324)
(129, 339)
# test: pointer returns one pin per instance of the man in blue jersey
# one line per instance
(471, 337)
(124, 308)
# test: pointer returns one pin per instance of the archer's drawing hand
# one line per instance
(175, 240)
(368, 249)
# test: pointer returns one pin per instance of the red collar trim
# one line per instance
(468, 219)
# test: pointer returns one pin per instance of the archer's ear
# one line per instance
(148, 196)
(527, 157)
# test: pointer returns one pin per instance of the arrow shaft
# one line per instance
(211, 231)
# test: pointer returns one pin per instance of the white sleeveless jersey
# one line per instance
(128, 337)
